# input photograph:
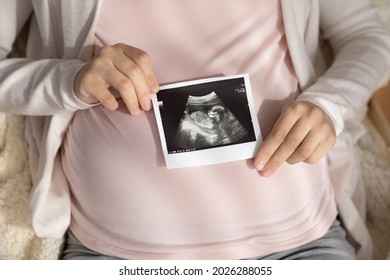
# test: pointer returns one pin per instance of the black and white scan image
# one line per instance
(206, 121)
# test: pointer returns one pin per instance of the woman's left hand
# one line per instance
(303, 133)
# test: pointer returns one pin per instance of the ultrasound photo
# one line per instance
(206, 121)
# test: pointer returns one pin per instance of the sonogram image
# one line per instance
(207, 122)
(205, 115)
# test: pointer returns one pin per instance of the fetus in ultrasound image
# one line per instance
(207, 122)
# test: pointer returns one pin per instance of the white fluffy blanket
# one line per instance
(18, 241)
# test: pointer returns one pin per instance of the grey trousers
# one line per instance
(332, 246)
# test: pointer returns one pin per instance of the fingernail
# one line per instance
(260, 165)
(134, 111)
(266, 173)
(154, 87)
(147, 105)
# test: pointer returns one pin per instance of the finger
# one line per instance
(316, 145)
(289, 145)
(122, 84)
(305, 150)
(321, 150)
(317, 154)
(153, 83)
(272, 142)
(134, 84)
(103, 95)
(144, 61)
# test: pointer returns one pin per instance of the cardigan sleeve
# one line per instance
(361, 46)
(33, 86)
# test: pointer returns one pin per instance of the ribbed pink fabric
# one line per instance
(126, 203)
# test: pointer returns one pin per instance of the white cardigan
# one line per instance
(60, 42)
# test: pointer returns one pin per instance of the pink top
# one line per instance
(124, 200)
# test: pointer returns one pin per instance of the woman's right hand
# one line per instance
(118, 71)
